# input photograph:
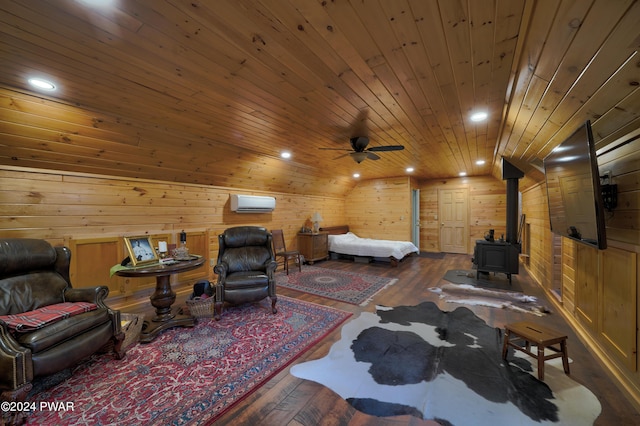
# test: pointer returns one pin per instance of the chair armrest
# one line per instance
(95, 295)
(221, 270)
(270, 267)
(116, 324)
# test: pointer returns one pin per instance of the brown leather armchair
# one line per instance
(35, 275)
(245, 267)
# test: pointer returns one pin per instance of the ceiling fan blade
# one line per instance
(386, 148)
(343, 155)
(372, 156)
(334, 149)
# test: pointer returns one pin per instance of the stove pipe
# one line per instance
(511, 174)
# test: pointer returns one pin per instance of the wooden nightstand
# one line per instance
(313, 247)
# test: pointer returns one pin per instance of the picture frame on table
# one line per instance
(141, 250)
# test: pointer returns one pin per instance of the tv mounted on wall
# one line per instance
(571, 172)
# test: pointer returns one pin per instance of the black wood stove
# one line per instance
(501, 256)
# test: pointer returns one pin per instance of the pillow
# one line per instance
(349, 236)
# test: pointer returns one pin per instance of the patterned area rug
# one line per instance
(187, 376)
(350, 287)
(446, 367)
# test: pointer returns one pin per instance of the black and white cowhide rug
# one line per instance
(446, 367)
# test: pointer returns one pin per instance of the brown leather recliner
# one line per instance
(33, 275)
(245, 267)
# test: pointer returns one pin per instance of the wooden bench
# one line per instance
(539, 335)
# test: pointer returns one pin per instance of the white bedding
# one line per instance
(353, 245)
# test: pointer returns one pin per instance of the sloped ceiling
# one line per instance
(212, 92)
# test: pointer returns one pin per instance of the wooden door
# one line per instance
(454, 220)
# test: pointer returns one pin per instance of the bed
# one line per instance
(343, 243)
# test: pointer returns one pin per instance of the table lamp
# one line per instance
(315, 219)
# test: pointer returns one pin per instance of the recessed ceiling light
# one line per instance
(356, 175)
(480, 162)
(462, 173)
(479, 116)
(98, 3)
(42, 84)
(410, 169)
(285, 154)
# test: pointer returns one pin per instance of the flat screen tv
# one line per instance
(571, 172)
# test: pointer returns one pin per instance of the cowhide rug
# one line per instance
(468, 294)
(446, 367)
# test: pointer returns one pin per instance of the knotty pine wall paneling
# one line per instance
(102, 143)
(534, 206)
(380, 208)
(568, 265)
(76, 209)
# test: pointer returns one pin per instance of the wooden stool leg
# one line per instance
(505, 344)
(541, 362)
(565, 356)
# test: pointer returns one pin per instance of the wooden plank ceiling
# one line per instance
(212, 92)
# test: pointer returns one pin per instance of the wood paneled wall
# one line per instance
(68, 207)
(380, 208)
(623, 164)
(540, 238)
(487, 208)
(57, 206)
(599, 288)
(61, 207)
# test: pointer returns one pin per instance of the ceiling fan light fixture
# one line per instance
(359, 157)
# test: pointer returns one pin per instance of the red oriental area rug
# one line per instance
(349, 287)
(187, 376)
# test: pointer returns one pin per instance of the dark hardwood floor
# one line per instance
(287, 400)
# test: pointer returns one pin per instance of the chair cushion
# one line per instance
(246, 279)
(63, 330)
(39, 318)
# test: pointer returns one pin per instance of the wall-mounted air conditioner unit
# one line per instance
(252, 203)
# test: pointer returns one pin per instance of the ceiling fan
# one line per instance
(360, 152)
